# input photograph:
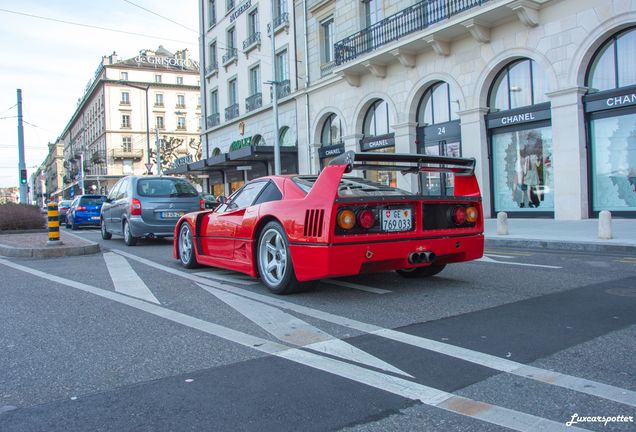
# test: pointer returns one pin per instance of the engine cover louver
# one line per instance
(313, 222)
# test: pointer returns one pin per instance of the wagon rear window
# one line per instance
(165, 187)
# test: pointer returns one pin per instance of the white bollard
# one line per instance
(605, 225)
(502, 223)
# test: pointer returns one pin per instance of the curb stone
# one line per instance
(560, 245)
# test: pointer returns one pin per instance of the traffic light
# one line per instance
(23, 176)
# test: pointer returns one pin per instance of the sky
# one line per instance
(52, 61)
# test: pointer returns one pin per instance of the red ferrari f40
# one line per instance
(295, 228)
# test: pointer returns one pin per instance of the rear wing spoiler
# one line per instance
(405, 163)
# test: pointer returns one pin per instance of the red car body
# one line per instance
(319, 247)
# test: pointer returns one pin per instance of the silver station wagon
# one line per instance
(147, 206)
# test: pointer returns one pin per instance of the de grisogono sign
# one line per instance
(166, 61)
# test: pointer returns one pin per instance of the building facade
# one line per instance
(542, 93)
(131, 108)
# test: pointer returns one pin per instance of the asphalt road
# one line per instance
(128, 340)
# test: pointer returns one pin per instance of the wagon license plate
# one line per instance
(171, 215)
(396, 220)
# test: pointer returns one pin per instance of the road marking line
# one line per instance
(493, 414)
(581, 385)
(355, 286)
(499, 256)
(492, 261)
(236, 279)
(126, 280)
(295, 331)
(488, 252)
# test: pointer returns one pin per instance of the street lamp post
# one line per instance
(145, 89)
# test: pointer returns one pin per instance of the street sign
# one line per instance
(149, 168)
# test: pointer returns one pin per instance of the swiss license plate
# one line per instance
(396, 220)
(171, 215)
(94, 217)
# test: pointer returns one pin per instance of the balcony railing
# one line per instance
(213, 120)
(326, 69)
(278, 21)
(211, 68)
(180, 106)
(230, 55)
(414, 18)
(158, 105)
(254, 39)
(253, 102)
(126, 154)
(231, 112)
(282, 89)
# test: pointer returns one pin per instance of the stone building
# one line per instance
(542, 93)
(130, 108)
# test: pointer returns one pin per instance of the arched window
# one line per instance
(258, 140)
(519, 84)
(614, 63)
(216, 151)
(286, 137)
(611, 122)
(331, 132)
(438, 105)
(376, 120)
(521, 141)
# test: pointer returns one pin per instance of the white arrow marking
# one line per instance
(490, 260)
(125, 279)
(295, 331)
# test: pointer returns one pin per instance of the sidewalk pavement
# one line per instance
(577, 235)
(35, 244)
(573, 235)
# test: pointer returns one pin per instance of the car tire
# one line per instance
(187, 254)
(129, 239)
(74, 226)
(105, 234)
(420, 272)
(274, 260)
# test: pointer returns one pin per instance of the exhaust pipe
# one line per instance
(421, 257)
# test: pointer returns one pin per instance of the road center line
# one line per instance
(581, 385)
(493, 414)
(355, 286)
(490, 260)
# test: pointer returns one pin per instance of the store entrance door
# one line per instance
(439, 140)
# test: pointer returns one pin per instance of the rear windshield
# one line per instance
(354, 187)
(165, 187)
(65, 204)
(92, 200)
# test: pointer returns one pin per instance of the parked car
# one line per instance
(84, 211)
(147, 206)
(210, 201)
(290, 229)
(62, 209)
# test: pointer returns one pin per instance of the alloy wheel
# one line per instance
(273, 257)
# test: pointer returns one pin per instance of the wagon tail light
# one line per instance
(201, 204)
(135, 207)
(81, 208)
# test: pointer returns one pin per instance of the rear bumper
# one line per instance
(140, 228)
(322, 261)
(85, 220)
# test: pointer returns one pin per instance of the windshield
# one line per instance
(92, 200)
(353, 187)
(165, 187)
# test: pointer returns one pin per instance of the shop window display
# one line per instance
(614, 163)
(522, 170)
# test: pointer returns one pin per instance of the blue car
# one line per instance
(84, 211)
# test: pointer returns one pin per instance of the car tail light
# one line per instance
(346, 219)
(81, 208)
(366, 219)
(135, 207)
(201, 204)
(472, 214)
(459, 215)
